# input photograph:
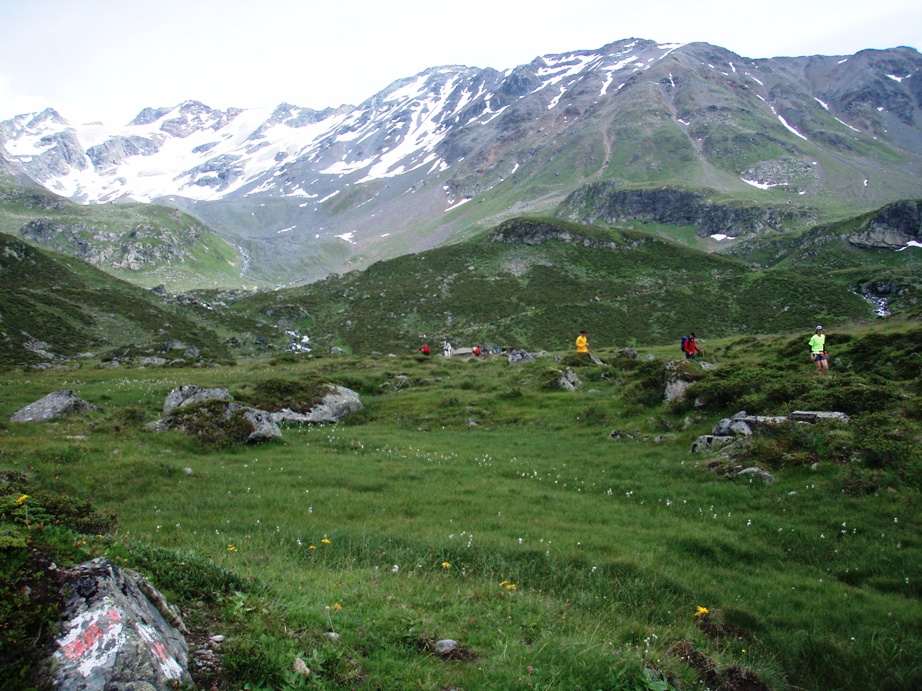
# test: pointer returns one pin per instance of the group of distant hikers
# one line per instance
(691, 350)
(689, 346)
(476, 351)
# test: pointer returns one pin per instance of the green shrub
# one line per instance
(185, 574)
(859, 482)
(211, 426)
(723, 389)
(275, 394)
(880, 443)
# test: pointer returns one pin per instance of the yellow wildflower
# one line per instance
(325, 541)
(231, 548)
(312, 547)
(337, 606)
(511, 586)
(22, 498)
(702, 611)
(502, 583)
(446, 565)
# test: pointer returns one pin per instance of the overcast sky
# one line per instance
(108, 59)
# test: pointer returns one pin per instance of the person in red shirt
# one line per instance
(691, 348)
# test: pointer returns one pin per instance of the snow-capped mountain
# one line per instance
(311, 191)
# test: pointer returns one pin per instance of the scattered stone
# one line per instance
(54, 406)
(150, 360)
(301, 668)
(729, 427)
(619, 434)
(332, 636)
(187, 471)
(569, 381)
(758, 472)
(446, 646)
(814, 416)
(649, 357)
(518, 357)
(675, 390)
(710, 442)
(113, 635)
(337, 351)
(629, 353)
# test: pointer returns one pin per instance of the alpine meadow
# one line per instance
(214, 389)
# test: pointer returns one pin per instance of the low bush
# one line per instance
(275, 394)
(210, 424)
(881, 443)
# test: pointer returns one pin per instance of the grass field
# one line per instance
(475, 501)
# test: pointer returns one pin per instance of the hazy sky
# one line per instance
(108, 59)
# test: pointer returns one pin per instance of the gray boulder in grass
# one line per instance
(190, 393)
(337, 403)
(55, 405)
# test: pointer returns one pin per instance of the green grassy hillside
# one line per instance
(623, 286)
(473, 500)
(146, 244)
(54, 308)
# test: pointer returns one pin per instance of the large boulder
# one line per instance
(55, 405)
(265, 428)
(118, 632)
(189, 394)
(336, 404)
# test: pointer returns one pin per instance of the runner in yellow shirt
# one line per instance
(818, 351)
(582, 344)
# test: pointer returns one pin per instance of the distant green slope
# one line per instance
(57, 307)
(537, 289)
(145, 244)
(876, 253)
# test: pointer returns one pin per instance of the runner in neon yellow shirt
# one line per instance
(818, 351)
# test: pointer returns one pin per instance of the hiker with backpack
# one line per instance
(690, 347)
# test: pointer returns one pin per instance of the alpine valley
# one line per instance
(691, 140)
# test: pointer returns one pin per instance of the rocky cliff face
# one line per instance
(894, 226)
(606, 203)
(142, 247)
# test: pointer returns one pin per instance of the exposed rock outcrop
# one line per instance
(729, 430)
(892, 227)
(55, 405)
(606, 203)
(531, 232)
